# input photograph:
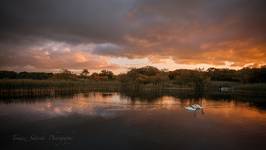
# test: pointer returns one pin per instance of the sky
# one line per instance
(49, 35)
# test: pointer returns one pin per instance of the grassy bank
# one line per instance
(259, 87)
(20, 87)
(15, 84)
(19, 84)
(236, 86)
(62, 84)
(35, 88)
(16, 88)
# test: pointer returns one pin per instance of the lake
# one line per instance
(104, 120)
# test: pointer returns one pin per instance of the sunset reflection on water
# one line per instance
(96, 117)
(110, 104)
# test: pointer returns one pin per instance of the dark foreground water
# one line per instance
(116, 121)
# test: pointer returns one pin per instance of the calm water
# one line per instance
(116, 121)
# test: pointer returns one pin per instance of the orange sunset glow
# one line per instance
(118, 35)
(133, 74)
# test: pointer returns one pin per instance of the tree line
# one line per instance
(151, 75)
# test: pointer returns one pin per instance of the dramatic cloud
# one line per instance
(200, 31)
(97, 34)
(50, 55)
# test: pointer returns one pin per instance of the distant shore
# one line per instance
(58, 87)
(148, 78)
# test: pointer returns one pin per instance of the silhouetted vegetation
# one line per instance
(245, 75)
(25, 75)
(140, 78)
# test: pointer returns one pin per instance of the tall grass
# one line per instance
(258, 87)
(19, 88)
(41, 84)
(35, 88)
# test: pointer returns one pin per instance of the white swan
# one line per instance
(194, 107)
(197, 106)
(190, 108)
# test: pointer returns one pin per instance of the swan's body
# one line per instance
(190, 108)
(194, 107)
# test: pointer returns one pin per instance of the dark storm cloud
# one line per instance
(189, 31)
(110, 20)
(31, 31)
(64, 19)
(236, 18)
(195, 31)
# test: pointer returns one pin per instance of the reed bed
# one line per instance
(34, 88)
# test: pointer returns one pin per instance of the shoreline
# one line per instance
(14, 89)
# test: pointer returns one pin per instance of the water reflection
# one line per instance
(132, 121)
(111, 104)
